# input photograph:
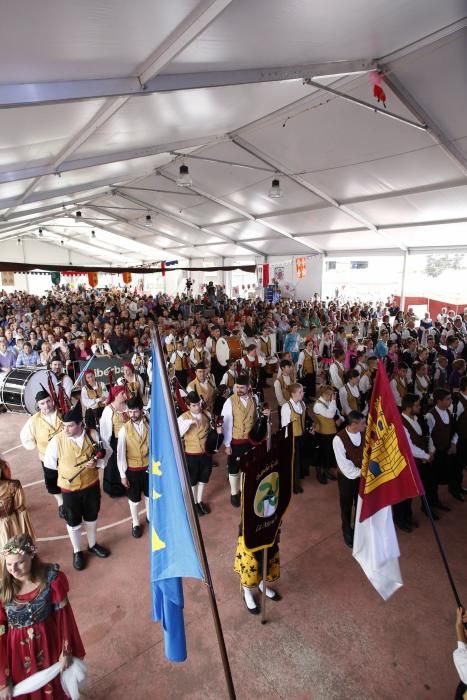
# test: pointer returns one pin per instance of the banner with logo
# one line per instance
(103, 365)
(267, 490)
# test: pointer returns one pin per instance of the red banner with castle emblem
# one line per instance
(389, 473)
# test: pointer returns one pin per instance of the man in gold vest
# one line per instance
(348, 450)
(283, 382)
(37, 432)
(204, 385)
(133, 460)
(294, 412)
(399, 384)
(349, 394)
(76, 456)
(194, 427)
(240, 414)
(307, 367)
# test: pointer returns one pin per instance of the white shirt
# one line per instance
(460, 407)
(416, 451)
(26, 436)
(93, 403)
(228, 417)
(364, 384)
(327, 409)
(122, 464)
(336, 381)
(301, 360)
(102, 349)
(459, 656)
(185, 423)
(278, 389)
(444, 415)
(395, 391)
(347, 467)
(106, 425)
(204, 355)
(51, 453)
(229, 374)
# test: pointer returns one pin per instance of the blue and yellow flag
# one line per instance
(172, 550)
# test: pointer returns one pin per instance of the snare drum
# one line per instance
(228, 348)
(18, 388)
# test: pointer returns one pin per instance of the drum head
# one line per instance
(222, 351)
(34, 383)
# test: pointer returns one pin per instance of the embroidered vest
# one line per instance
(265, 346)
(137, 448)
(441, 433)
(324, 425)
(178, 364)
(352, 400)
(308, 363)
(69, 456)
(243, 417)
(352, 452)
(401, 387)
(93, 393)
(26, 614)
(207, 394)
(285, 387)
(194, 439)
(118, 419)
(42, 431)
(420, 441)
(297, 419)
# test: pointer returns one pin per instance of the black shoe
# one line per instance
(99, 551)
(404, 526)
(413, 523)
(330, 476)
(275, 598)
(61, 512)
(252, 611)
(235, 500)
(434, 515)
(321, 476)
(348, 539)
(457, 495)
(203, 508)
(198, 509)
(78, 561)
(135, 531)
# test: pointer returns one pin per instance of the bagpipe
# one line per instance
(214, 438)
(262, 426)
(60, 399)
(97, 445)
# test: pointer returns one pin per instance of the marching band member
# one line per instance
(56, 367)
(113, 417)
(169, 341)
(307, 368)
(178, 360)
(421, 382)
(211, 343)
(422, 450)
(348, 452)
(194, 427)
(337, 369)
(398, 384)
(133, 460)
(198, 353)
(254, 365)
(365, 384)
(189, 339)
(283, 382)
(36, 433)
(294, 411)
(441, 426)
(349, 394)
(240, 413)
(230, 376)
(203, 384)
(132, 381)
(72, 452)
(326, 416)
(93, 394)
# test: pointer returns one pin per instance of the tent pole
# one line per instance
(404, 275)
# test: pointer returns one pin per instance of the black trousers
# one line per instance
(199, 468)
(447, 470)
(309, 383)
(217, 370)
(348, 493)
(182, 377)
(139, 484)
(112, 483)
(402, 511)
(82, 505)
(427, 475)
(237, 452)
(50, 478)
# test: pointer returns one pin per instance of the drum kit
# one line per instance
(19, 386)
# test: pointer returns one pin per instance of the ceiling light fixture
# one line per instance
(78, 215)
(148, 221)
(184, 177)
(93, 234)
(19, 241)
(275, 190)
(40, 233)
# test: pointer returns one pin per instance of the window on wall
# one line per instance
(331, 265)
(358, 264)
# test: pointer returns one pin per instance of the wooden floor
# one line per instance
(330, 638)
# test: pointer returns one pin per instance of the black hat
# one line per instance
(42, 394)
(74, 415)
(135, 402)
(242, 380)
(200, 365)
(192, 397)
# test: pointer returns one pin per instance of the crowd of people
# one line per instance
(313, 360)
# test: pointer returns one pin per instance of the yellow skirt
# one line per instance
(247, 566)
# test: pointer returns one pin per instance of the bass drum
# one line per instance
(228, 348)
(18, 388)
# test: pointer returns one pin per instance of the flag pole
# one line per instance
(441, 550)
(192, 517)
(263, 597)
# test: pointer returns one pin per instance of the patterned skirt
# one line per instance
(250, 568)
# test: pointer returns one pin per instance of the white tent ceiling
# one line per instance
(101, 103)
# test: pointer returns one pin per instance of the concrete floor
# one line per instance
(331, 637)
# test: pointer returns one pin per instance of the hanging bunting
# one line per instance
(300, 266)
(376, 79)
(259, 275)
(55, 277)
(163, 268)
(93, 279)
(126, 277)
(265, 274)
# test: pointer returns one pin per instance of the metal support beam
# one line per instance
(252, 150)
(404, 274)
(227, 205)
(436, 133)
(33, 94)
(366, 105)
(185, 222)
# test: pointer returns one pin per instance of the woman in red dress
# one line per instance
(37, 625)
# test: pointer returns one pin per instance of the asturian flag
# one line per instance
(389, 475)
(172, 549)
